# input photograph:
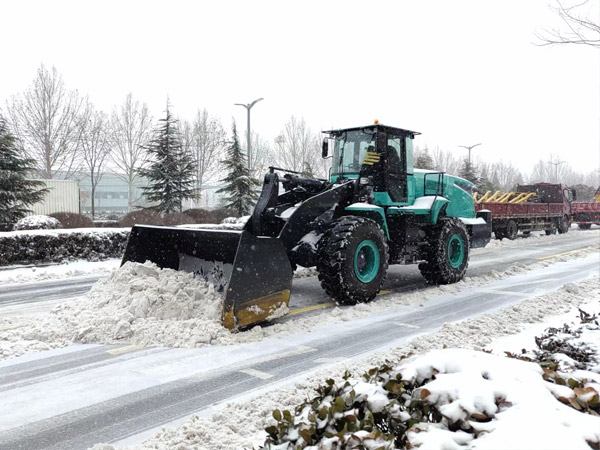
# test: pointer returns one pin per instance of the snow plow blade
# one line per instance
(252, 273)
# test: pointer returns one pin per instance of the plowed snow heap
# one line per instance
(142, 304)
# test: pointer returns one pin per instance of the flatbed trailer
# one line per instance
(549, 210)
(585, 214)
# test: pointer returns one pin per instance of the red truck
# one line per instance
(549, 210)
(587, 213)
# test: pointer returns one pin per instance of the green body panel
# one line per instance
(375, 214)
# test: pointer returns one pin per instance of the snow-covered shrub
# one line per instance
(141, 217)
(453, 398)
(373, 412)
(73, 220)
(174, 219)
(106, 223)
(17, 248)
(39, 222)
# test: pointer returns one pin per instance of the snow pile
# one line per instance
(540, 237)
(139, 303)
(39, 222)
(18, 275)
(444, 399)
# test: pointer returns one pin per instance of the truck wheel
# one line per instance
(353, 260)
(526, 233)
(447, 253)
(500, 235)
(584, 226)
(550, 231)
(511, 230)
(564, 225)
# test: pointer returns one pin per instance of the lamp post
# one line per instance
(469, 147)
(248, 108)
(556, 164)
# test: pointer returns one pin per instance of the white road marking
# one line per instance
(503, 292)
(123, 350)
(406, 325)
(329, 360)
(257, 373)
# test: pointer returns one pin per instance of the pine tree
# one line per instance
(467, 172)
(239, 185)
(16, 192)
(424, 160)
(171, 172)
(484, 184)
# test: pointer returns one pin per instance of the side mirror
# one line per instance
(574, 194)
(325, 148)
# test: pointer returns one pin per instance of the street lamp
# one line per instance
(469, 147)
(248, 108)
(556, 164)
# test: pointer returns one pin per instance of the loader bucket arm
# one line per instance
(252, 273)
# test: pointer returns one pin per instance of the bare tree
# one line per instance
(298, 148)
(94, 144)
(204, 139)
(260, 157)
(45, 120)
(131, 125)
(445, 161)
(578, 27)
(505, 175)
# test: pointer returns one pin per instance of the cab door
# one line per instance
(396, 180)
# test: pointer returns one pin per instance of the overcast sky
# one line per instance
(460, 72)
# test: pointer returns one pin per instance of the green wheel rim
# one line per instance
(366, 261)
(456, 251)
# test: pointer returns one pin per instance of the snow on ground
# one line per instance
(471, 380)
(130, 307)
(17, 274)
(538, 236)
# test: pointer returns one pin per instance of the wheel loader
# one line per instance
(375, 209)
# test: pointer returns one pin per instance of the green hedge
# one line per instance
(17, 248)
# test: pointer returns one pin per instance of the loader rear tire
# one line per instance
(353, 260)
(447, 253)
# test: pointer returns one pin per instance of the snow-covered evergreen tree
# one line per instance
(239, 185)
(424, 160)
(16, 191)
(171, 170)
(467, 171)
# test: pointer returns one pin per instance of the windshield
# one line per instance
(350, 150)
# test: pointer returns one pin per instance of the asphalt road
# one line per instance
(74, 397)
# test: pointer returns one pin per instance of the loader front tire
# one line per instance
(447, 252)
(353, 260)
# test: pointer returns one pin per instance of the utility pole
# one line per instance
(469, 147)
(556, 164)
(248, 108)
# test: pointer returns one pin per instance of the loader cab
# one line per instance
(380, 156)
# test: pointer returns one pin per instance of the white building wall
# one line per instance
(63, 197)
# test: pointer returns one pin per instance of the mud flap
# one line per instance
(252, 273)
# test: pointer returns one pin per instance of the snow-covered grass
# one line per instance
(521, 408)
